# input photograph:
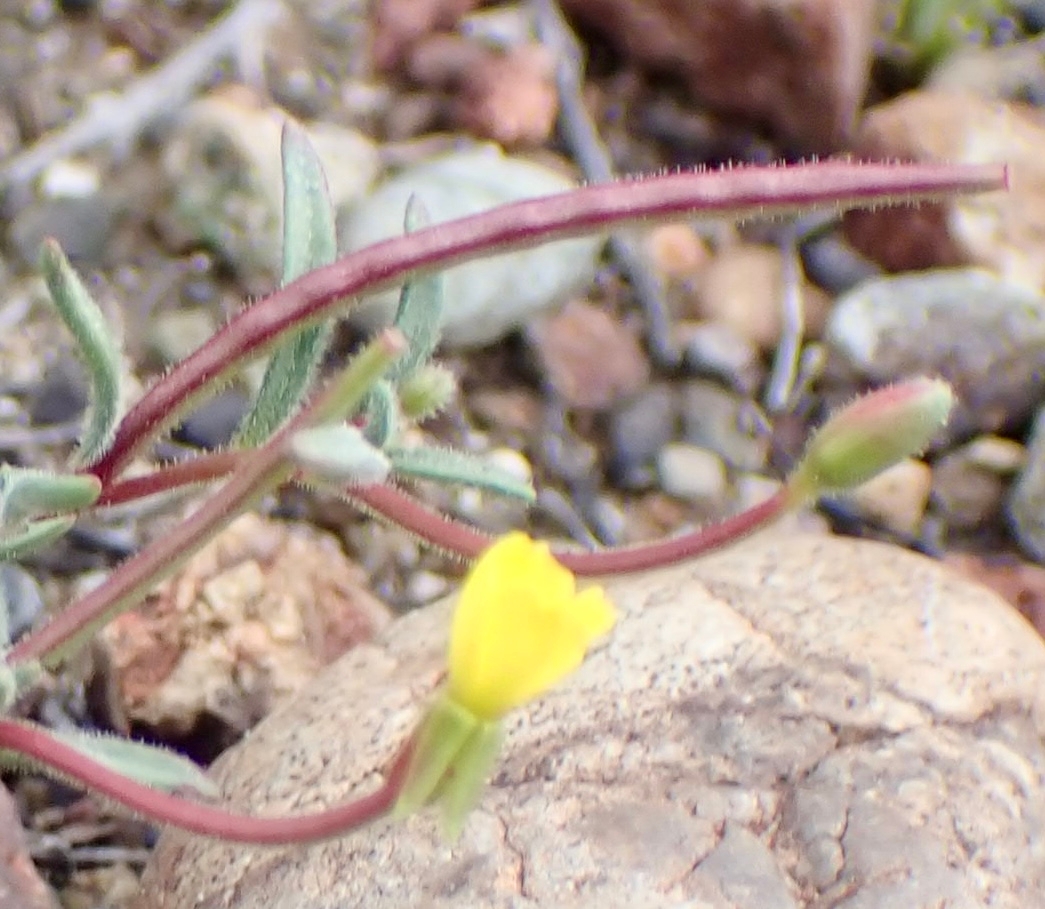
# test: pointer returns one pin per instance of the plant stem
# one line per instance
(258, 471)
(734, 192)
(460, 539)
(198, 817)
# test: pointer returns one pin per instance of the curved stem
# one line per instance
(198, 817)
(734, 192)
(460, 539)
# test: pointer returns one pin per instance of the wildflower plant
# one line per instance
(522, 623)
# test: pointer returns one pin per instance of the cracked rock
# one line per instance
(798, 721)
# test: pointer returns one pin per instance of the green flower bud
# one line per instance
(870, 434)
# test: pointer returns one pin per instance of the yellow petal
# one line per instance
(520, 627)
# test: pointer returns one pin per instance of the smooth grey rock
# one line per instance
(487, 298)
(714, 418)
(638, 431)
(797, 721)
(986, 336)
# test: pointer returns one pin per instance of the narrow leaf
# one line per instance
(146, 764)
(420, 312)
(309, 241)
(28, 493)
(17, 542)
(339, 453)
(96, 345)
(382, 414)
(444, 465)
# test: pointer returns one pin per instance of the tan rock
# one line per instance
(1000, 230)
(742, 287)
(249, 620)
(799, 66)
(897, 497)
(795, 722)
(511, 97)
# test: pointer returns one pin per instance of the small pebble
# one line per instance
(212, 424)
(638, 430)
(715, 418)
(897, 497)
(715, 350)
(591, 359)
(425, 586)
(692, 473)
(21, 595)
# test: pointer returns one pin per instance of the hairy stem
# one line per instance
(734, 193)
(198, 817)
(258, 471)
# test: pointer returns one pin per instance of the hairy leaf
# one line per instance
(309, 241)
(96, 345)
(444, 465)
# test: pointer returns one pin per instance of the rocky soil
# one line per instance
(641, 384)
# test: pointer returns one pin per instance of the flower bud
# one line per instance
(870, 434)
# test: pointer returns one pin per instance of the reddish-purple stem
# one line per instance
(466, 541)
(737, 192)
(199, 817)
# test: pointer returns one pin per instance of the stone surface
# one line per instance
(798, 721)
(1002, 230)
(742, 286)
(986, 336)
(969, 482)
(590, 358)
(249, 620)
(223, 164)
(1026, 504)
(897, 497)
(717, 419)
(692, 473)
(799, 66)
(21, 886)
(484, 299)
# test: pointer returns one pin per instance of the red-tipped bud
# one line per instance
(870, 434)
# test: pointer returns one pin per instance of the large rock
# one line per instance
(798, 721)
(799, 66)
(1000, 230)
(984, 334)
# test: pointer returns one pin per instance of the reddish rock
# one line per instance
(399, 24)
(590, 358)
(798, 66)
(21, 886)
(248, 621)
(511, 97)
(999, 230)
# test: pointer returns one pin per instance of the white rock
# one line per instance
(484, 299)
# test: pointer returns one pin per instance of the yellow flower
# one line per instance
(520, 627)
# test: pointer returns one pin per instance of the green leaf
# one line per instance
(309, 241)
(420, 312)
(28, 536)
(28, 493)
(95, 340)
(382, 414)
(147, 764)
(339, 453)
(444, 465)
